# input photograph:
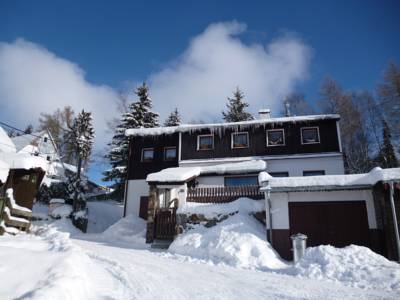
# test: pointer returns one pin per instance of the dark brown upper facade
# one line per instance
(152, 153)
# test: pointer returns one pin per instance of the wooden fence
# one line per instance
(223, 194)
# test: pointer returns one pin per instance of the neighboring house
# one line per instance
(42, 145)
(216, 163)
(25, 172)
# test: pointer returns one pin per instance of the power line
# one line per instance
(20, 130)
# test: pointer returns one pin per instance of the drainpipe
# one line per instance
(268, 213)
(396, 227)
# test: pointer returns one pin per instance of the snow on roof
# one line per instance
(219, 126)
(329, 181)
(24, 140)
(6, 144)
(4, 169)
(24, 161)
(182, 174)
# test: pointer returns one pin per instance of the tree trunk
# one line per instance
(78, 180)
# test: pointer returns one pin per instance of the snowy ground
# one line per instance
(59, 262)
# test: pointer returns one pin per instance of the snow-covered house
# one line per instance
(291, 146)
(20, 171)
(41, 144)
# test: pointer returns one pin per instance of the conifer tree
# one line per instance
(174, 119)
(236, 108)
(80, 135)
(387, 157)
(138, 115)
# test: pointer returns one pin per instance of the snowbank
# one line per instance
(51, 265)
(354, 266)
(130, 229)
(62, 211)
(103, 214)
(239, 241)
(4, 170)
(209, 210)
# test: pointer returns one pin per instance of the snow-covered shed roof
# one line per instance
(331, 182)
(218, 127)
(6, 144)
(24, 140)
(4, 170)
(24, 161)
(184, 174)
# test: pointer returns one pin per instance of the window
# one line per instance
(169, 153)
(314, 173)
(45, 139)
(309, 135)
(241, 180)
(279, 174)
(240, 140)
(147, 154)
(205, 142)
(275, 137)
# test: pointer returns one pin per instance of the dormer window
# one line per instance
(310, 135)
(205, 142)
(147, 154)
(275, 137)
(240, 140)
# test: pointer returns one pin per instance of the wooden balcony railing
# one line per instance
(223, 194)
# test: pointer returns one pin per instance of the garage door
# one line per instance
(335, 223)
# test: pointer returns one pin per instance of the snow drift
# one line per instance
(354, 266)
(238, 241)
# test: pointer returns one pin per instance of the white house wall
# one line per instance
(136, 189)
(280, 203)
(332, 165)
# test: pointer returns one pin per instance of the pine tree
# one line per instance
(174, 119)
(80, 135)
(389, 96)
(387, 157)
(138, 115)
(236, 108)
(44, 194)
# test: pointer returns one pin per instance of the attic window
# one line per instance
(205, 142)
(310, 135)
(275, 137)
(147, 154)
(240, 140)
(45, 139)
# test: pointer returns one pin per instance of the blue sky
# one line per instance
(116, 44)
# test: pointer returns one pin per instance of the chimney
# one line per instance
(287, 109)
(264, 113)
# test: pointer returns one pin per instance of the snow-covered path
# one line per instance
(143, 274)
(53, 265)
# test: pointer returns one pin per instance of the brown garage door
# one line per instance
(335, 223)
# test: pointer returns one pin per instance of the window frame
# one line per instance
(142, 158)
(310, 171)
(283, 135)
(205, 135)
(238, 133)
(311, 127)
(165, 153)
(283, 172)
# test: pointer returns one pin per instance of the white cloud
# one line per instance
(217, 61)
(34, 80)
